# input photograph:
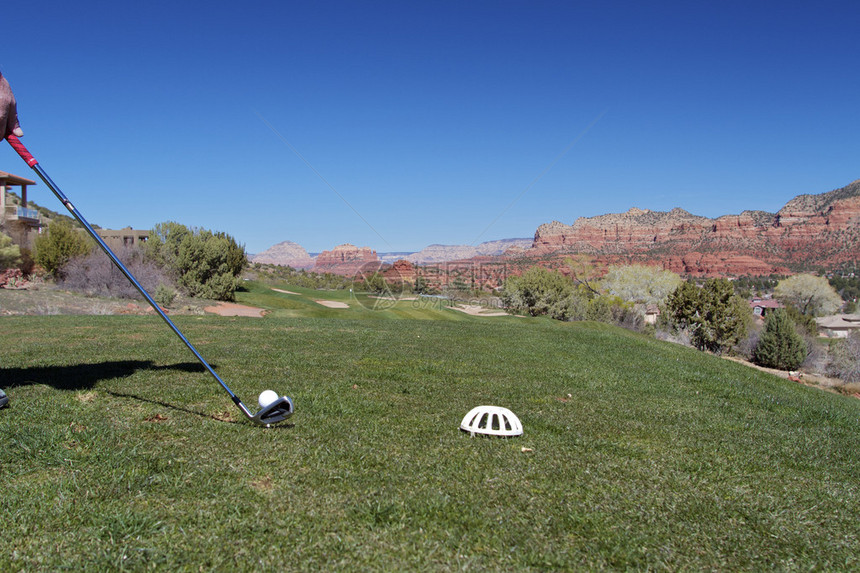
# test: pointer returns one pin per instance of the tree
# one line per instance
(780, 346)
(376, 283)
(206, 264)
(809, 294)
(683, 305)
(716, 318)
(61, 243)
(10, 254)
(848, 288)
(584, 272)
(803, 323)
(540, 291)
(420, 286)
(640, 283)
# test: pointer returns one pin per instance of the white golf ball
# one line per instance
(267, 397)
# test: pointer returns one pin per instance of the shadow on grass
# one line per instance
(220, 418)
(84, 376)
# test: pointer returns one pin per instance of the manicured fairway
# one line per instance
(118, 452)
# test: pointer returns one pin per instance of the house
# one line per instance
(16, 218)
(838, 326)
(123, 238)
(652, 313)
(762, 306)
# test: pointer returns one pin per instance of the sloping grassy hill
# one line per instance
(119, 453)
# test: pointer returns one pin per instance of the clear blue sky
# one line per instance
(436, 121)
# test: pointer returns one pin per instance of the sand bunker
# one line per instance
(478, 310)
(284, 291)
(233, 309)
(332, 303)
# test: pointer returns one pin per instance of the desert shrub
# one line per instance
(817, 355)
(10, 254)
(59, 245)
(164, 295)
(205, 264)
(746, 346)
(539, 291)
(613, 310)
(96, 275)
(845, 359)
(574, 306)
(780, 346)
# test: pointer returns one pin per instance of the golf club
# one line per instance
(272, 413)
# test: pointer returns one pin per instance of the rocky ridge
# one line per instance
(444, 253)
(286, 253)
(810, 230)
(346, 259)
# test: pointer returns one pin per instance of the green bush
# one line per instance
(206, 264)
(716, 318)
(540, 291)
(61, 243)
(164, 295)
(10, 254)
(780, 346)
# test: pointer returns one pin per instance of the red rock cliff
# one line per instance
(345, 260)
(810, 230)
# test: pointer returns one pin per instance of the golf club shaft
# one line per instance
(31, 161)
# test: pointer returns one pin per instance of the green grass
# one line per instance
(119, 453)
(361, 305)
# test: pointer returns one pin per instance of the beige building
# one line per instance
(17, 220)
(123, 238)
(839, 325)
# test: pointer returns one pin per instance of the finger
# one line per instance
(13, 119)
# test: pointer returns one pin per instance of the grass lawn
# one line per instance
(119, 452)
(303, 303)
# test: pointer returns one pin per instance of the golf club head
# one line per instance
(277, 411)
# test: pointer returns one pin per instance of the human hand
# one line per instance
(8, 111)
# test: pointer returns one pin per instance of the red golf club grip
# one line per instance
(22, 151)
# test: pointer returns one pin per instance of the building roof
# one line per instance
(765, 303)
(839, 321)
(15, 179)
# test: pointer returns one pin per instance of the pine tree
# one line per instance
(780, 346)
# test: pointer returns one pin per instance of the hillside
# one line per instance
(809, 231)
